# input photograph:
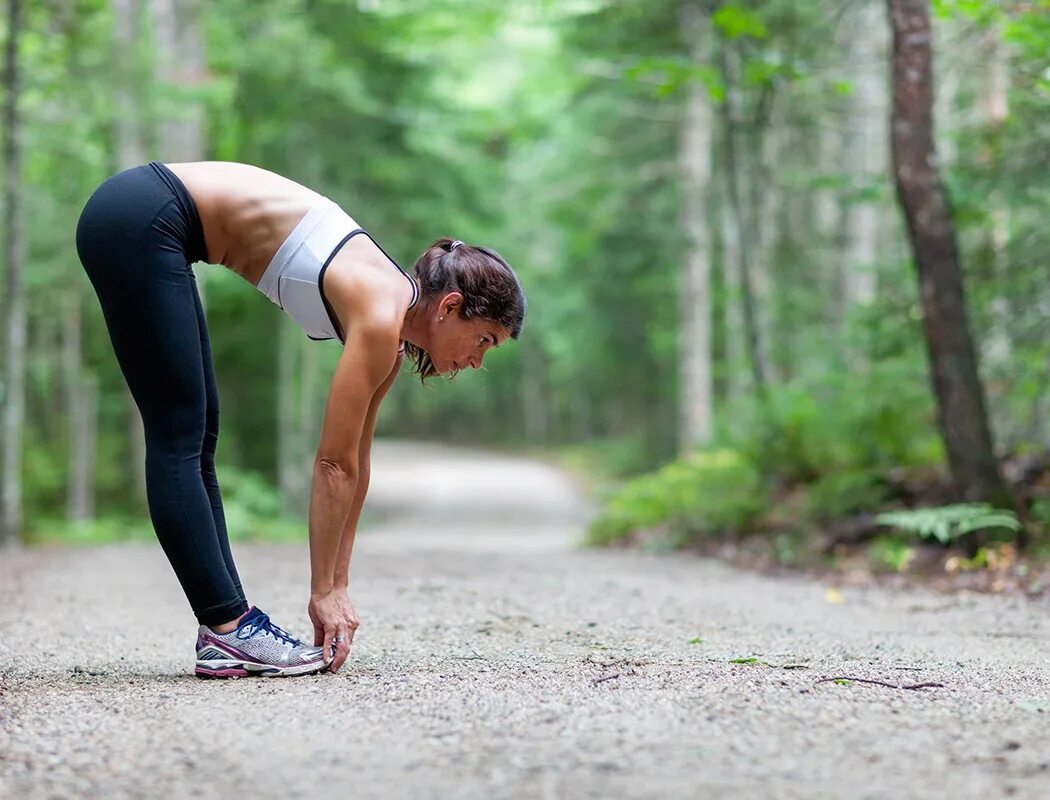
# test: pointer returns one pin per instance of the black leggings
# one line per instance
(137, 236)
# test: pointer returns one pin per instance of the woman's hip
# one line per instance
(134, 213)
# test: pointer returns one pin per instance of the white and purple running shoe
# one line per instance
(256, 647)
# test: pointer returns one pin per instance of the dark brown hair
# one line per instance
(489, 287)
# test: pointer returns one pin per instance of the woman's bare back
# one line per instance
(246, 212)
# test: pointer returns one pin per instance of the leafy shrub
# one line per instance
(611, 458)
(840, 421)
(1041, 513)
(843, 493)
(706, 492)
(890, 554)
(948, 523)
(102, 530)
(253, 507)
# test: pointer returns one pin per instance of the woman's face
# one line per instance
(457, 343)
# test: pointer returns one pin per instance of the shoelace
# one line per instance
(262, 623)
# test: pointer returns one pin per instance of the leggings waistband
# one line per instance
(196, 246)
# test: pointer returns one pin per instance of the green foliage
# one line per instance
(842, 422)
(704, 493)
(1041, 512)
(553, 132)
(253, 508)
(947, 523)
(890, 554)
(614, 458)
(840, 494)
(103, 530)
(735, 22)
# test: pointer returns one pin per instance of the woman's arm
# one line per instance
(366, 362)
(364, 458)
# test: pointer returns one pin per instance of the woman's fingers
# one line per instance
(329, 635)
(341, 642)
(334, 625)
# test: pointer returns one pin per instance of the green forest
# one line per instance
(788, 289)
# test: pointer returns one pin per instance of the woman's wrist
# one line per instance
(321, 589)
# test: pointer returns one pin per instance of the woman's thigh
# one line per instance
(147, 291)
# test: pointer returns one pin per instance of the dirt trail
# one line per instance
(497, 660)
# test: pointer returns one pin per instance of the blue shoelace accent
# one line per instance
(261, 622)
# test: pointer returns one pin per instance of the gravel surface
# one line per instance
(497, 660)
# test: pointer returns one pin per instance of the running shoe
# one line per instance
(256, 647)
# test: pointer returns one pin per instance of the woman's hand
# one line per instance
(335, 622)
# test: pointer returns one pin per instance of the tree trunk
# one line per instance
(535, 395)
(80, 407)
(736, 352)
(14, 300)
(180, 59)
(763, 204)
(953, 57)
(289, 475)
(737, 194)
(695, 160)
(998, 349)
(953, 362)
(130, 152)
(130, 149)
(865, 152)
(310, 410)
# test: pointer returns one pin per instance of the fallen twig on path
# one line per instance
(475, 657)
(605, 678)
(883, 683)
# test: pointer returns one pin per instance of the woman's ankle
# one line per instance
(227, 627)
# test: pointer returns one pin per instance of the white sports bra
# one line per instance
(293, 278)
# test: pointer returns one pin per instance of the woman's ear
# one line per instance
(451, 303)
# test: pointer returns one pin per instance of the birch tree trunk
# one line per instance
(865, 155)
(130, 152)
(180, 62)
(995, 109)
(310, 409)
(737, 194)
(129, 145)
(81, 403)
(695, 161)
(828, 205)
(535, 395)
(763, 223)
(953, 362)
(179, 40)
(289, 474)
(951, 59)
(736, 353)
(14, 300)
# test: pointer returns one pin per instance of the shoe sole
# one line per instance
(230, 668)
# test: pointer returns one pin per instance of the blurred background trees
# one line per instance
(697, 194)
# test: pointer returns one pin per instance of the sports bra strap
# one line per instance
(415, 289)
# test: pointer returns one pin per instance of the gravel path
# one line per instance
(496, 660)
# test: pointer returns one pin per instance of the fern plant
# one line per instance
(947, 523)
